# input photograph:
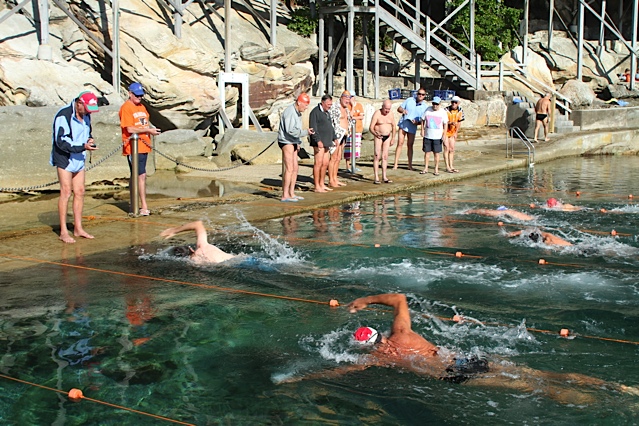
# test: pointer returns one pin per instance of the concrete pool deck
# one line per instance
(30, 225)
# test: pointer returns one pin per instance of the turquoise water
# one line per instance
(204, 356)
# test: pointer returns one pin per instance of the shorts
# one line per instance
(75, 165)
(343, 140)
(408, 126)
(464, 369)
(141, 163)
(296, 146)
(541, 117)
(432, 145)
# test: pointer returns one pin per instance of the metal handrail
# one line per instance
(516, 133)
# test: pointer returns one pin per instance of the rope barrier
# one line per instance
(72, 395)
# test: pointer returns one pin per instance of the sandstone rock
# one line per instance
(579, 93)
(177, 144)
(619, 91)
(244, 145)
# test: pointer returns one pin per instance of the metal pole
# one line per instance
(501, 76)
(418, 65)
(478, 72)
(620, 17)
(177, 22)
(133, 183)
(472, 28)
(115, 59)
(580, 42)
(602, 28)
(331, 65)
(551, 16)
(427, 47)
(376, 50)
(273, 22)
(320, 56)
(525, 35)
(633, 55)
(227, 36)
(350, 47)
(364, 88)
(44, 49)
(353, 168)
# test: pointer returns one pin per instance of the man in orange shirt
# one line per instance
(134, 119)
(455, 117)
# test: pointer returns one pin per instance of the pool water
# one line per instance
(205, 356)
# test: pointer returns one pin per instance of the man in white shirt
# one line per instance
(434, 122)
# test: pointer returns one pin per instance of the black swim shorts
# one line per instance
(295, 145)
(432, 145)
(464, 369)
(541, 117)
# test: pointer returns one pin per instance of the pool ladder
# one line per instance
(515, 133)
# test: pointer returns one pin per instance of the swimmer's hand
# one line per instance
(168, 233)
(357, 305)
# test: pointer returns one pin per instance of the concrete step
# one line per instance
(566, 123)
(563, 130)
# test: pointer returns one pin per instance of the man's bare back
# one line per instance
(204, 253)
(502, 212)
(543, 105)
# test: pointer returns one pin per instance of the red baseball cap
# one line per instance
(90, 101)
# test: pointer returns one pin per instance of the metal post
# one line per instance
(353, 168)
(227, 36)
(620, 17)
(350, 46)
(472, 28)
(501, 76)
(273, 22)
(633, 55)
(364, 89)
(320, 56)
(45, 52)
(580, 42)
(427, 47)
(418, 65)
(133, 183)
(602, 28)
(177, 22)
(331, 65)
(525, 35)
(478, 72)
(115, 59)
(376, 50)
(551, 16)
(418, 8)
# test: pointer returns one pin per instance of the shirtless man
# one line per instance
(542, 111)
(408, 350)
(502, 211)
(383, 130)
(539, 236)
(553, 203)
(204, 253)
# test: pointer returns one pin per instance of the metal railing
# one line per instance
(515, 133)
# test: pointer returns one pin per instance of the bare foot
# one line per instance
(84, 234)
(547, 139)
(341, 184)
(66, 238)
(395, 167)
(321, 190)
(410, 168)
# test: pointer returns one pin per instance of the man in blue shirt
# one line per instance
(412, 111)
(71, 139)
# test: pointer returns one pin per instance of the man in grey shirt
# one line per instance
(288, 138)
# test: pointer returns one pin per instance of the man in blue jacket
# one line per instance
(71, 139)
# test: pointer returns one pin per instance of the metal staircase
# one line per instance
(429, 41)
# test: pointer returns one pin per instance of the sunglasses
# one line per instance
(421, 94)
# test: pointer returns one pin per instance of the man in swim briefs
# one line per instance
(542, 110)
(538, 236)
(553, 203)
(204, 252)
(502, 211)
(383, 130)
(408, 350)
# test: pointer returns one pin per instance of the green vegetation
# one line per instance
(494, 24)
(302, 23)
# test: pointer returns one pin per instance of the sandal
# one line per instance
(423, 172)
(388, 181)
(377, 182)
(145, 212)
(436, 174)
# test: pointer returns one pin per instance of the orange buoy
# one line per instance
(75, 394)
(532, 205)
(459, 254)
(458, 318)
(577, 193)
(333, 303)
(613, 232)
(377, 245)
(500, 223)
(564, 332)
(603, 210)
(542, 261)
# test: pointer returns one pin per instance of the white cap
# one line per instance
(456, 99)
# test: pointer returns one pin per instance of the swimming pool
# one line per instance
(205, 356)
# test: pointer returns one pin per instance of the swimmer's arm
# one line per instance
(197, 226)
(325, 374)
(401, 322)
(513, 234)
(483, 212)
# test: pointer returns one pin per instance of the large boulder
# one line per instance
(579, 93)
(247, 146)
(177, 144)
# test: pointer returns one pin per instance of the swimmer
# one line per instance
(408, 350)
(553, 203)
(502, 211)
(539, 236)
(204, 252)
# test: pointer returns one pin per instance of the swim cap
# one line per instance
(367, 335)
(552, 202)
(304, 98)
(502, 208)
